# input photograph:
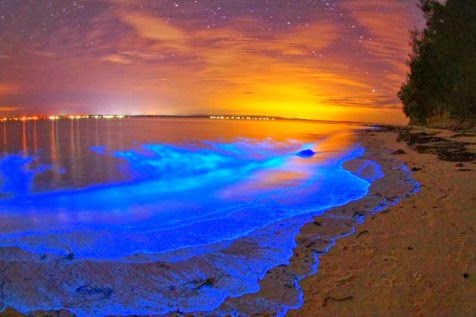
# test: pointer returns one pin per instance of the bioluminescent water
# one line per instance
(182, 192)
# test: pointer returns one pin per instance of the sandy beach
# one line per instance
(241, 158)
(403, 250)
(416, 258)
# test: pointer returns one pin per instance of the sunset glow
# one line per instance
(336, 60)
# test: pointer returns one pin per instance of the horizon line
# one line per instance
(225, 117)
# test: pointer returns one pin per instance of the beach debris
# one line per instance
(103, 292)
(418, 277)
(362, 233)
(336, 299)
(358, 214)
(346, 279)
(460, 164)
(306, 153)
(416, 169)
(208, 282)
(398, 152)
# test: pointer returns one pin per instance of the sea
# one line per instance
(98, 194)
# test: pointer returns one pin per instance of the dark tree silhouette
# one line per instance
(441, 86)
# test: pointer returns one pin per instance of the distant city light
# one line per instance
(123, 116)
(264, 118)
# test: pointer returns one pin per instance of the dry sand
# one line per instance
(416, 259)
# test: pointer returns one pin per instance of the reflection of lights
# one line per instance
(53, 117)
(25, 118)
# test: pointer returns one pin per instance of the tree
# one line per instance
(441, 85)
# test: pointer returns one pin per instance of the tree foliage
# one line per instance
(442, 79)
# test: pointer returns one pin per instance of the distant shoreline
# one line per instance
(224, 117)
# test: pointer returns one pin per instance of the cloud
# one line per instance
(8, 89)
(9, 109)
(387, 24)
(125, 56)
(214, 66)
(157, 30)
(333, 78)
(116, 59)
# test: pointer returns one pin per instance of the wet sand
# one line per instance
(413, 258)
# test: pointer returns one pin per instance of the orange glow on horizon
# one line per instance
(134, 61)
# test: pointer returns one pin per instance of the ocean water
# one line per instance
(178, 191)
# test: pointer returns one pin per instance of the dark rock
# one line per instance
(464, 134)
(465, 276)
(416, 169)
(454, 156)
(210, 281)
(383, 128)
(446, 149)
(460, 164)
(306, 153)
(419, 138)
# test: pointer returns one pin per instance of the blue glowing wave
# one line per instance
(176, 197)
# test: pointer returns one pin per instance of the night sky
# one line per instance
(342, 59)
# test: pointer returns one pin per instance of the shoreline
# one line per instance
(319, 236)
(334, 240)
(415, 258)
